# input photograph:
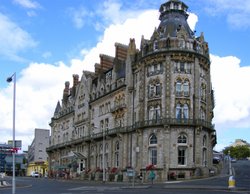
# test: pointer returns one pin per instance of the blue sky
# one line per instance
(45, 42)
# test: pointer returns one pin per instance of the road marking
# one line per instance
(94, 188)
(171, 182)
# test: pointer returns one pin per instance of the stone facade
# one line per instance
(147, 108)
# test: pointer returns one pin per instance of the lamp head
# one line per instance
(9, 79)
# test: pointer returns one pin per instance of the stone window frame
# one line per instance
(152, 149)
(182, 111)
(117, 154)
(204, 150)
(182, 142)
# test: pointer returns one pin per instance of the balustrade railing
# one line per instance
(137, 125)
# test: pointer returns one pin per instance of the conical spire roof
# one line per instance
(173, 17)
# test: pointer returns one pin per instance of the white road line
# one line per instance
(93, 188)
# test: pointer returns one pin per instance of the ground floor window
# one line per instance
(181, 156)
(204, 157)
(153, 155)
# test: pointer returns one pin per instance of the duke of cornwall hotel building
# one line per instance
(145, 108)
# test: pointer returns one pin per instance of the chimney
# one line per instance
(66, 93)
(121, 51)
(75, 79)
(75, 82)
(106, 62)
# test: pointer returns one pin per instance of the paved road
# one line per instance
(242, 173)
(215, 185)
(59, 187)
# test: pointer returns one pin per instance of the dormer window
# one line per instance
(164, 8)
(156, 45)
(179, 6)
(171, 6)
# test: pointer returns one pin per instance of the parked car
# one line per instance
(35, 174)
(233, 160)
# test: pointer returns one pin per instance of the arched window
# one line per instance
(152, 139)
(152, 150)
(182, 139)
(182, 149)
(117, 146)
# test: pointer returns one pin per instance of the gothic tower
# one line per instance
(173, 101)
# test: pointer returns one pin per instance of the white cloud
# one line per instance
(232, 105)
(13, 39)
(38, 89)
(111, 11)
(114, 12)
(79, 16)
(131, 28)
(237, 11)
(29, 4)
(231, 96)
(192, 20)
(106, 13)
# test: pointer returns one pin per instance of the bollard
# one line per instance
(231, 182)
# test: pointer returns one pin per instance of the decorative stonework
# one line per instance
(114, 104)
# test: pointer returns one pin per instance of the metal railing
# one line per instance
(137, 125)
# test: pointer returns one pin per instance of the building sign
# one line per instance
(18, 143)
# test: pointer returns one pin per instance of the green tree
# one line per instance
(238, 152)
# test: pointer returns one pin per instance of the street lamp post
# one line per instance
(10, 79)
(103, 156)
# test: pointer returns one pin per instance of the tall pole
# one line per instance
(10, 79)
(103, 156)
(230, 164)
